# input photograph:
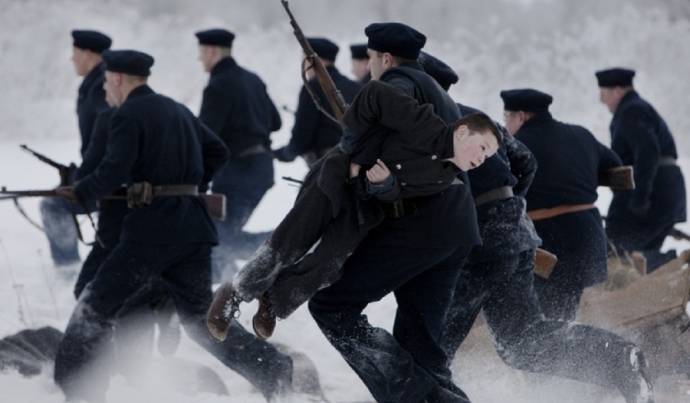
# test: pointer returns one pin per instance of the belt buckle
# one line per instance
(398, 209)
(139, 194)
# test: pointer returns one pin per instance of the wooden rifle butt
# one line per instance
(544, 262)
(619, 178)
(216, 205)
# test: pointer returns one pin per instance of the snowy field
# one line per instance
(38, 90)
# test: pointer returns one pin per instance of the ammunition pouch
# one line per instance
(139, 195)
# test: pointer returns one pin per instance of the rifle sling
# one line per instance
(317, 101)
(24, 214)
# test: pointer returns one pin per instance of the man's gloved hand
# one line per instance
(284, 154)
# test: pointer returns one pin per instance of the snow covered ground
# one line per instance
(37, 107)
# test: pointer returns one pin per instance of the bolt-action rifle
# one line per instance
(311, 61)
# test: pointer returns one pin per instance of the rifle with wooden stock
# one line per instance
(333, 96)
(66, 173)
(215, 203)
(619, 178)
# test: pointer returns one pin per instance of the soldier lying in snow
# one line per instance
(340, 203)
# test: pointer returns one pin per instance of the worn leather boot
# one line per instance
(264, 321)
(224, 308)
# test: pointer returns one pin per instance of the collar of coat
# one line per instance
(412, 65)
(140, 91)
(631, 96)
(223, 64)
(539, 118)
(93, 76)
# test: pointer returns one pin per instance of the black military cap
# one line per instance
(324, 48)
(616, 77)
(395, 38)
(130, 62)
(216, 37)
(527, 100)
(359, 51)
(441, 72)
(91, 40)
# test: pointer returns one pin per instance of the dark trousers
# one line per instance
(646, 239)
(244, 182)
(285, 269)
(92, 263)
(560, 297)
(81, 367)
(138, 318)
(525, 339)
(579, 242)
(409, 365)
(58, 223)
(111, 214)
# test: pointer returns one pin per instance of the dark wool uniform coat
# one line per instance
(640, 136)
(237, 108)
(90, 102)
(183, 151)
(570, 162)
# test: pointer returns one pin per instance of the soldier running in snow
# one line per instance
(56, 213)
(415, 253)
(401, 239)
(335, 212)
(639, 220)
(237, 107)
(166, 156)
(561, 198)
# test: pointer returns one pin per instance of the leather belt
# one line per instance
(159, 191)
(399, 208)
(404, 207)
(504, 192)
(175, 190)
(667, 161)
(253, 150)
(141, 194)
(546, 213)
